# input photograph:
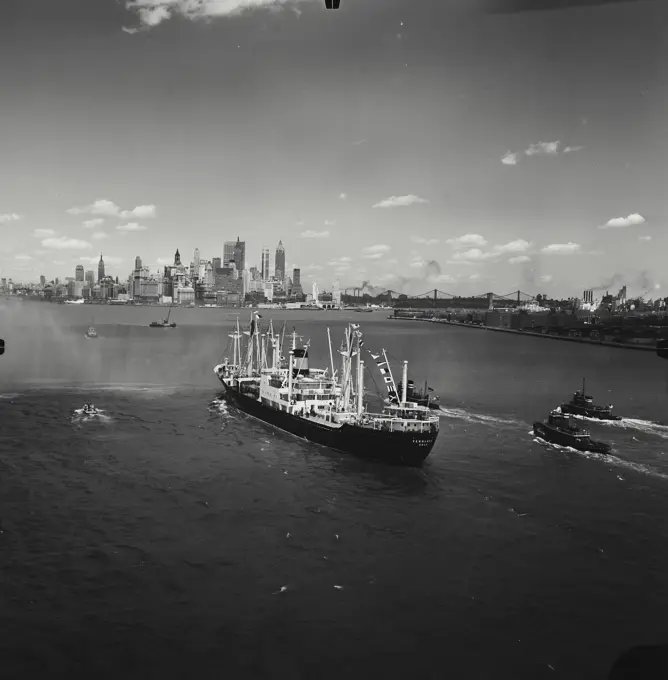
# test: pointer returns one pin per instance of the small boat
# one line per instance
(561, 429)
(91, 332)
(164, 323)
(583, 405)
(87, 410)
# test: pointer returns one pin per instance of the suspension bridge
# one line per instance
(439, 298)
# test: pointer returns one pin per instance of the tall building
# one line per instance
(228, 252)
(279, 266)
(79, 273)
(100, 269)
(177, 258)
(588, 296)
(216, 263)
(42, 280)
(137, 262)
(240, 255)
(196, 262)
(265, 264)
(90, 277)
(296, 277)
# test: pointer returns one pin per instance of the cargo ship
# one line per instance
(581, 404)
(325, 406)
(561, 430)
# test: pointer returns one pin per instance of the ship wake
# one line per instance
(469, 417)
(606, 458)
(644, 426)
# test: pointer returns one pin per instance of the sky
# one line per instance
(463, 145)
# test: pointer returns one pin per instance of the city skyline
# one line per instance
(458, 150)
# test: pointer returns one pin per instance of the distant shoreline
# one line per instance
(551, 336)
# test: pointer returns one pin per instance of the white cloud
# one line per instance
(546, 278)
(619, 222)
(375, 252)
(517, 246)
(392, 260)
(309, 233)
(91, 224)
(467, 240)
(99, 235)
(312, 268)
(474, 277)
(140, 212)
(153, 12)
(41, 233)
(131, 226)
(472, 255)
(509, 158)
(341, 263)
(543, 149)
(330, 223)
(561, 248)
(9, 217)
(99, 207)
(645, 238)
(64, 243)
(425, 241)
(23, 257)
(519, 259)
(417, 264)
(300, 223)
(400, 201)
(570, 149)
(343, 196)
(164, 260)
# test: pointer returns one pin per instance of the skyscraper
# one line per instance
(264, 268)
(79, 273)
(137, 262)
(90, 276)
(42, 281)
(240, 254)
(177, 258)
(279, 267)
(296, 277)
(196, 262)
(100, 269)
(216, 263)
(228, 252)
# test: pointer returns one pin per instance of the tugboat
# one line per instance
(561, 429)
(91, 332)
(421, 397)
(583, 405)
(325, 406)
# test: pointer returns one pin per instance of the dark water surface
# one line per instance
(156, 542)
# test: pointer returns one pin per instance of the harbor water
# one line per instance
(174, 537)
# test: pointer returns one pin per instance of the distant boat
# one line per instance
(91, 332)
(164, 323)
(582, 404)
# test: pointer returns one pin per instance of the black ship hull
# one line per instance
(556, 436)
(598, 413)
(397, 448)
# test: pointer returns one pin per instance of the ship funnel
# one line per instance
(300, 365)
(410, 387)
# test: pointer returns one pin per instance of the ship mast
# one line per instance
(404, 383)
(331, 356)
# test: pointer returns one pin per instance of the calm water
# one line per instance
(157, 542)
